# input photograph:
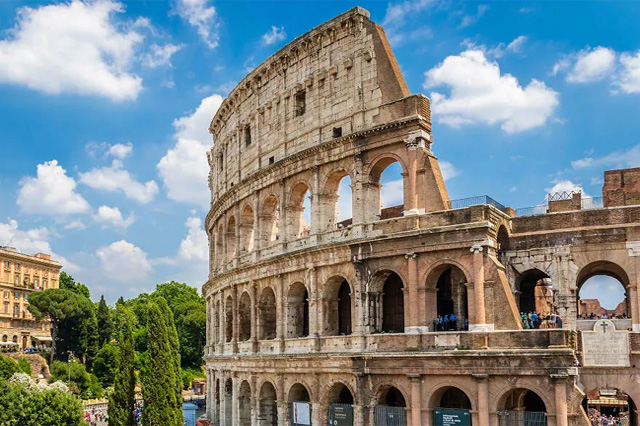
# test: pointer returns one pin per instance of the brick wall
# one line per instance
(621, 187)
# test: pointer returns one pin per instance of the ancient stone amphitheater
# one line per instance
(319, 319)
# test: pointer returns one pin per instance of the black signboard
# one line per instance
(341, 415)
(450, 417)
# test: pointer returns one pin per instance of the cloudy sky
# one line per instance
(104, 108)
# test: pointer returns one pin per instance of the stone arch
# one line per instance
(297, 319)
(298, 226)
(228, 320)
(502, 239)
(546, 395)
(522, 399)
(267, 405)
(452, 396)
(374, 187)
(270, 220)
(330, 198)
(220, 245)
(339, 306)
(447, 295)
(626, 383)
(298, 392)
(389, 301)
(340, 393)
(390, 395)
(246, 229)
(244, 317)
(231, 237)
(244, 403)
(533, 292)
(603, 268)
(267, 318)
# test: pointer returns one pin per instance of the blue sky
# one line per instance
(104, 108)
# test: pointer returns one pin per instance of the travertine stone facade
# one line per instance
(327, 312)
(20, 276)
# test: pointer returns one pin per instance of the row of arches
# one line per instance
(264, 407)
(297, 213)
(338, 304)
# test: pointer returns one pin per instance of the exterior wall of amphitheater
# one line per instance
(331, 312)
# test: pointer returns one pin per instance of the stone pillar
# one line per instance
(561, 399)
(483, 399)
(254, 316)
(235, 324)
(223, 401)
(315, 311)
(256, 222)
(284, 418)
(281, 312)
(633, 296)
(284, 204)
(235, 419)
(416, 399)
(412, 321)
(410, 192)
(316, 211)
(319, 413)
(478, 322)
(358, 193)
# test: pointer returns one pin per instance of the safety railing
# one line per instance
(474, 201)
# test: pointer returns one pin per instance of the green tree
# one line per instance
(159, 375)
(105, 326)
(122, 399)
(82, 382)
(62, 307)
(105, 364)
(174, 343)
(7, 367)
(89, 339)
(67, 282)
(24, 366)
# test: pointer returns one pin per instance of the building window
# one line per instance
(16, 295)
(17, 266)
(16, 281)
(6, 294)
(300, 103)
(16, 309)
(337, 132)
(44, 284)
(26, 281)
(35, 282)
(247, 135)
(7, 265)
(6, 307)
(26, 296)
(272, 160)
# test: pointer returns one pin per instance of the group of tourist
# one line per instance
(450, 323)
(534, 320)
(598, 419)
(96, 417)
(593, 316)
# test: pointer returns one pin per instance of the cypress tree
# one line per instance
(105, 326)
(122, 400)
(159, 378)
(175, 348)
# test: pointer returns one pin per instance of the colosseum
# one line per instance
(414, 313)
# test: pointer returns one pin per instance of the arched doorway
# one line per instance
(337, 200)
(502, 238)
(244, 317)
(300, 405)
(338, 307)
(451, 405)
(244, 403)
(340, 400)
(385, 190)
(390, 407)
(453, 397)
(299, 213)
(602, 292)
(534, 295)
(600, 404)
(451, 298)
(297, 311)
(270, 226)
(267, 405)
(267, 315)
(246, 229)
(228, 320)
(522, 407)
(392, 304)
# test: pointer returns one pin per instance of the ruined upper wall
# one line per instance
(328, 83)
(621, 187)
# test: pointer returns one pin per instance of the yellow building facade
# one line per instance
(20, 276)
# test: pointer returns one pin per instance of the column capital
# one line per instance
(476, 248)
(418, 139)
(480, 377)
(410, 255)
(414, 377)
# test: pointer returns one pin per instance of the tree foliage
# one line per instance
(105, 325)
(8, 366)
(105, 364)
(67, 282)
(122, 400)
(82, 382)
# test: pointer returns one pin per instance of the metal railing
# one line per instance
(474, 201)
(522, 418)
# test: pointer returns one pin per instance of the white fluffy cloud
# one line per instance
(448, 170)
(392, 193)
(184, 169)
(72, 47)
(628, 79)
(198, 14)
(115, 179)
(468, 20)
(592, 65)
(123, 261)
(51, 192)
(195, 245)
(616, 159)
(395, 17)
(111, 217)
(160, 56)
(275, 35)
(480, 94)
(105, 149)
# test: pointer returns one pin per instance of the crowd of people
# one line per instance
(96, 417)
(535, 320)
(451, 323)
(598, 419)
(593, 316)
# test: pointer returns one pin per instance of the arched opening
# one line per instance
(220, 254)
(603, 406)
(216, 393)
(244, 317)
(231, 238)
(451, 298)
(453, 397)
(244, 403)
(338, 307)
(602, 292)
(270, 228)
(534, 294)
(393, 304)
(297, 311)
(390, 407)
(387, 188)
(340, 400)
(267, 406)
(267, 315)
(228, 402)
(522, 407)
(300, 211)
(246, 228)
(502, 239)
(299, 401)
(4, 337)
(337, 200)
(228, 320)
(216, 324)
